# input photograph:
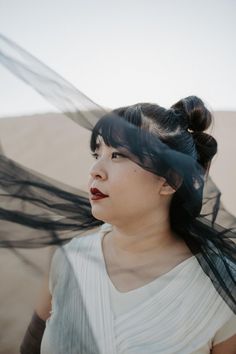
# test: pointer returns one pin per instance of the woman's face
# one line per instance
(132, 191)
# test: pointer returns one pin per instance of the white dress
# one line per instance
(178, 313)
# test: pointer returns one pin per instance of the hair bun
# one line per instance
(206, 147)
(198, 116)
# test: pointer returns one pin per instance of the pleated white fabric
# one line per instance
(181, 318)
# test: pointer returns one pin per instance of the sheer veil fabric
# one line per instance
(37, 210)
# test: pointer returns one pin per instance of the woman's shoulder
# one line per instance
(86, 243)
(82, 237)
(86, 237)
(74, 244)
(84, 240)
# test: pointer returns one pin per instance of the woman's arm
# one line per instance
(32, 340)
(228, 346)
(43, 305)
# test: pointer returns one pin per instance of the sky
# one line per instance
(125, 51)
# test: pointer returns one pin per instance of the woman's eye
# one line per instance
(117, 154)
(114, 155)
(95, 155)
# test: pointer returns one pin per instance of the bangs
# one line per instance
(116, 128)
(110, 130)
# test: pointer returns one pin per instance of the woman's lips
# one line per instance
(96, 194)
(96, 197)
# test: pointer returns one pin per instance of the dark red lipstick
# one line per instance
(97, 194)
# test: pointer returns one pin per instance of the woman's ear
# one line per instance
(166, 189)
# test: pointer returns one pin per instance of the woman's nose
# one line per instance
(97, 172)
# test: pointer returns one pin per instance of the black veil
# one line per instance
(37, 210)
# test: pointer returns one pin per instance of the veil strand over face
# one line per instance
(37, 211)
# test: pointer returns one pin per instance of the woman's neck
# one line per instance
(143, 236)
(143, 248)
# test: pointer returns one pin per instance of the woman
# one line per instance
(141, 284)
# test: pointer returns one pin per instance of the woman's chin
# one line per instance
(99, 215)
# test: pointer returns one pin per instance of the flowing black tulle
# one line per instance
(37, 211)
